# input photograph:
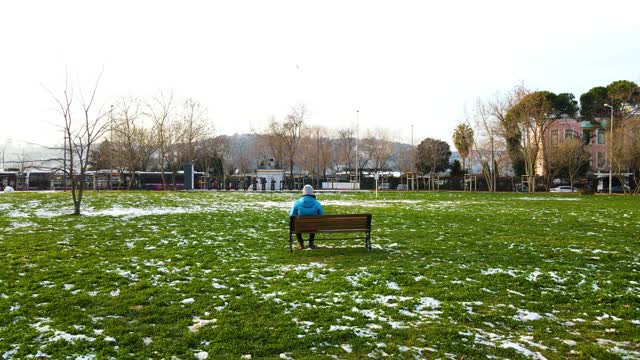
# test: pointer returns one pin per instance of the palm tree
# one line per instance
(463, 141)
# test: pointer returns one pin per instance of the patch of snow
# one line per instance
(188, 301)
(61, 335)
(392, 285)
(534, 275)
(201, 355)
(9, 354)
(519, 348)
(525, 315)
(346, 348)
(557, 278)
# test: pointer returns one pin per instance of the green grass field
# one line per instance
(208, 275)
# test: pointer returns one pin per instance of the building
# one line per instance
(596, 135)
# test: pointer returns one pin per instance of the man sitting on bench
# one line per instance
(306, 205)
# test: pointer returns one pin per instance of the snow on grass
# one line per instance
(393, 285)
(232, 248)
(521, 349)
(355, 279)
(546, 198)
(347, 348)
(61, 335)
(201, 355)
(525, 315)
(534, 275)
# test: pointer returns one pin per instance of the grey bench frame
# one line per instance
(349, 223)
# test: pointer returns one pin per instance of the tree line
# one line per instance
(509, 133)
(163, 133)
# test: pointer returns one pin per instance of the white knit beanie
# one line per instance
(307, 190)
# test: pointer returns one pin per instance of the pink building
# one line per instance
(563, 129)
(594, 134)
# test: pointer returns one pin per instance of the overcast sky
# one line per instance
(398, 62)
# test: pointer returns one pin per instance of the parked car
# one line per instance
(563, 188)
(620, 189)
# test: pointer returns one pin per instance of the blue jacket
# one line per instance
(306, 205)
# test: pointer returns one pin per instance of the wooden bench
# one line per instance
(353, 223)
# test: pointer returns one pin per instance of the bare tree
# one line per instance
(377, 146)
(324, 150)
(131, 140)
(306, 154)
(569, 157)
(194, 127)
(160, 110)
(345, 144)
(289, 132)
(80, 136)
(626, 150)
(486, 145)
(269, 149)
(531, 118)
(631, 153)
(315, 152)
(405, 157)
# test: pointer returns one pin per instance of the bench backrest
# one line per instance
(330, 223)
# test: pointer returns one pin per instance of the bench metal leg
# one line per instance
(368, 242)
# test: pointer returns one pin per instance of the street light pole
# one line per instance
(357, 175)
(610, 146)
(111, 148)
(413, 173)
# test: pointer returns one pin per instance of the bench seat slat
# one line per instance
(315, 230)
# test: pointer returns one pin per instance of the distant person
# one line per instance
(306, 205)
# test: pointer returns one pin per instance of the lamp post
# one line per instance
(413, 173)
(111, 148)
(357, 175)
(610, 146)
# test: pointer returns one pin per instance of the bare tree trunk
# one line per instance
(80, 138)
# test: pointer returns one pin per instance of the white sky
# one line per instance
(398, 62)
